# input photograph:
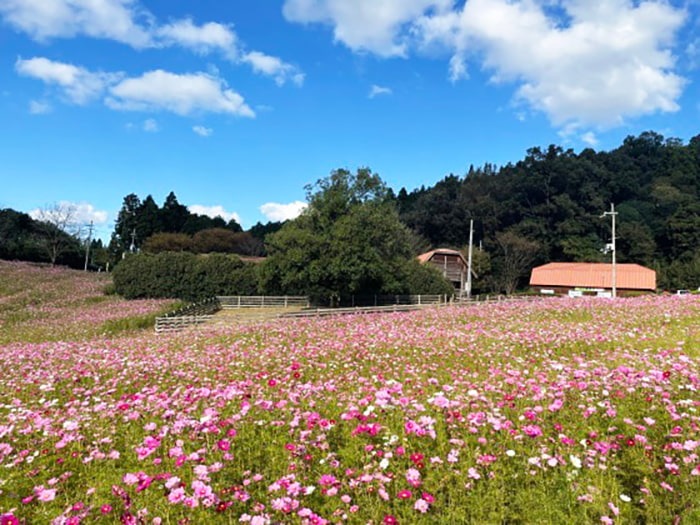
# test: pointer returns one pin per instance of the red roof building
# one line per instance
(592, 277)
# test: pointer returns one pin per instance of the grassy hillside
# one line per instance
(39, 303)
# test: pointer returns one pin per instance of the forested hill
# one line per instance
(554, 198)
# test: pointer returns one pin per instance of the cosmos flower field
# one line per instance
(39, 303)
(551, 411)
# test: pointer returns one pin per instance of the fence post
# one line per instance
(263, 301)
(239, 301)
(285, 301)
(418, 299)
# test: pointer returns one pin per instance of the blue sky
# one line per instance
(237, 104)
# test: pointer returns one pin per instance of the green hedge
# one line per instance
(425, 279)
(181, 275)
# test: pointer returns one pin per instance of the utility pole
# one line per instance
(87, 249)
(132, 248)
(469, 261)
(613, 214)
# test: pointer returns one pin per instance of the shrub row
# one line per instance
(190, 277)
(181, 275)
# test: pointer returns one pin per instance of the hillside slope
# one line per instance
(40, 303)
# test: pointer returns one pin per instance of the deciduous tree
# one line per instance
(59, 228)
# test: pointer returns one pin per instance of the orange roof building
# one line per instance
(562, 277)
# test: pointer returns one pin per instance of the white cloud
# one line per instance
(583, 64)
(185, 94)
(78, 84)
(202, 131)
(82, 213)
(215, 211)
(458, 68)
(282, 212)
(111, 19)
(202, 39)
(609, 62)
(37, 107)
(589, 138)
(86, 212)
(379, 90)
(213, 36)
(274, 67)
(126, 21)
(365, 25)
(692, 51)
(151, 125)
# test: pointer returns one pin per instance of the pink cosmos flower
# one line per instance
(191, 502)
(556, 405)
(532, 430)
(177, 495)
(172, 482)
(404, 494)
(46, 495)
(8, 519)
(327, 479)
(421, 506)
(413, 477)
(130, 479)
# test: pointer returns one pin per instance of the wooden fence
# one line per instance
(262, 301)
(494, 298)
(324, 312)
(203, 312)
(175, 324)
(190, 315)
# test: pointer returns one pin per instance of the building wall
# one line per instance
(563, 290)
(451, 267)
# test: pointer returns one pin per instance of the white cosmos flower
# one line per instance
(575, 461)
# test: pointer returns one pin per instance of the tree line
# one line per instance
(547, 207)
(54, 237)
(349, 242)
(359, 235)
